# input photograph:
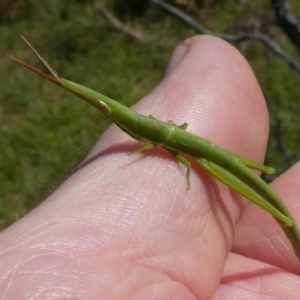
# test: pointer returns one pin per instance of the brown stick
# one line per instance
(118, 24)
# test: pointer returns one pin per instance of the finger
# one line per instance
(246, 278)
(258, 236)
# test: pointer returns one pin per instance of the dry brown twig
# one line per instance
(287, 21)
(230, 38)
(118, 24)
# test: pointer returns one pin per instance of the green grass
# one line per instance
(45, 133)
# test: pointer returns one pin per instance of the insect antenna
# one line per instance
(40, 58)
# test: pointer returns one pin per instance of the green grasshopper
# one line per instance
(230, 168)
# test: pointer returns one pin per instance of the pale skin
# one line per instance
(228, 167)
(112, 231)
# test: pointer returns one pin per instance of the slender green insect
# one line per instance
(231, 169)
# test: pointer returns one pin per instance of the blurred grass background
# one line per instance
(45, 133)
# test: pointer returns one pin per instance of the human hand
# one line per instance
(125, 227)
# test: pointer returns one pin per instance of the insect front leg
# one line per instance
(147, 146)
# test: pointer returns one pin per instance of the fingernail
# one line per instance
(177, 55)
